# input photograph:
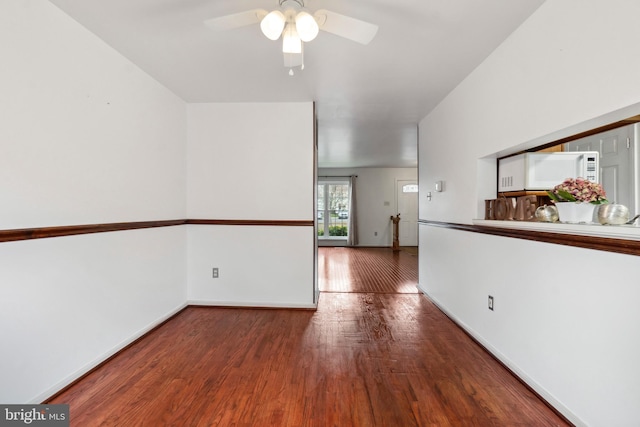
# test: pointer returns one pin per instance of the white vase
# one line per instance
(575, 213)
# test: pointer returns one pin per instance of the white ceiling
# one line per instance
(369, 99)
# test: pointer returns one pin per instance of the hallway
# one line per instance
(361, 359)
(377, 270)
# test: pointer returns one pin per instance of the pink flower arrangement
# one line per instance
(578, 190)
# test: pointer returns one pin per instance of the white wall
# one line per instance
(86, 138)
(570, 334)
(259, 266)
(89, 138)
(253, 162)
(549, 75)
(375, 188)
(70, 302)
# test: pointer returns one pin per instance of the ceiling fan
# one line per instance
(296, 25)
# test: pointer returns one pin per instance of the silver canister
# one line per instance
(611, 214)
(546, 214)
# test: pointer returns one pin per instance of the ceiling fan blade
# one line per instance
(237, 20)
(344, 26)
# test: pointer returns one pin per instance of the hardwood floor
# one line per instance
(361, 359)
(378, 270)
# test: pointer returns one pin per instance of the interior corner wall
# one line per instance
(251, 161)
(564, 318)
(376, 198)
(86, 138)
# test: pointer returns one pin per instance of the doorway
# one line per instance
(367, 270)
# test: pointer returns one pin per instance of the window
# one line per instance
(410, 188)
(333, 209)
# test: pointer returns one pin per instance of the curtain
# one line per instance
(352, 240)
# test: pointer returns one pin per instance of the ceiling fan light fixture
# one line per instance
(291, 42)
(306, 26)
(296, 26)
(272, 24)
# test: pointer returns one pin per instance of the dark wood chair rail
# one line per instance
(71, 230)
(622, 246)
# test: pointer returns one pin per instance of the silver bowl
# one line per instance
(611, 214)
(546, 214)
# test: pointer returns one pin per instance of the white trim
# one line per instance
(60, 385)
(626, 232)
(596, 122)
(544, 393)
(250, 304)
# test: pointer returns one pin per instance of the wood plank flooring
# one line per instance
(361, 359)
(378, 270)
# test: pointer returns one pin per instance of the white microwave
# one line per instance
(543, 171)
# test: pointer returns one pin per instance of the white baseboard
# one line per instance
(251, 304)
(515, 370)
(60, 385)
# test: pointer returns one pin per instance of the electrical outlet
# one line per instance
(490, 303)
(215, 272)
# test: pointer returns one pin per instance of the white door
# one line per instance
(616, 156)
(407, 203)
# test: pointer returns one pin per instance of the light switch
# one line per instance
(439, 186)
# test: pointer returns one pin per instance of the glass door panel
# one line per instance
(333, 210)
